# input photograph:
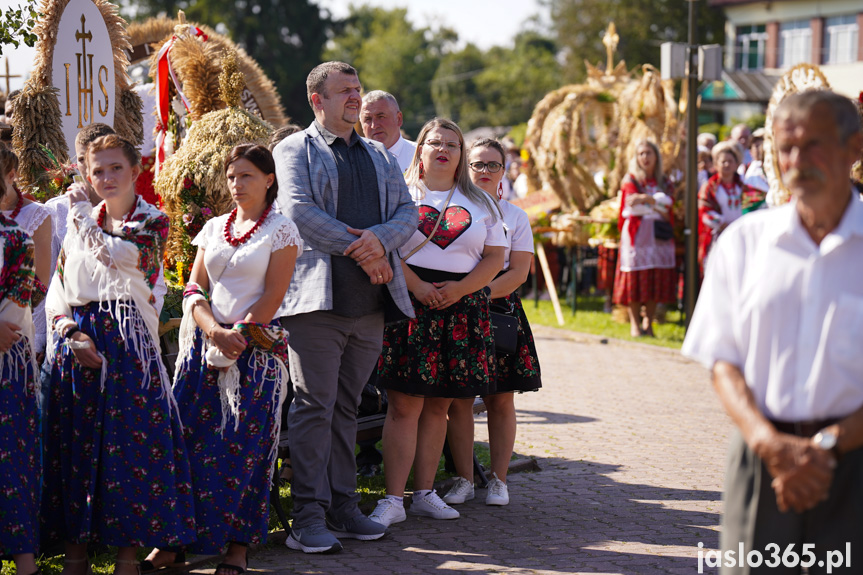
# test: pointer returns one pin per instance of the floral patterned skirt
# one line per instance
(230, 467)
(20, 461)
(517, 371)
(116, 470)
(440, 353)
(656, 285)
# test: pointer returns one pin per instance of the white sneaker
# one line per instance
(498, 494)
(432, 506)
(388, 512)
(461, 491)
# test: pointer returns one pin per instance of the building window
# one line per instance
(751, 44)
(795, 43)
(840, 39)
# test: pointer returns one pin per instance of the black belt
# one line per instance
(803, 428)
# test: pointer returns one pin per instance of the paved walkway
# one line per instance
(631, 442)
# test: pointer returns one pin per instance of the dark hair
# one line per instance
(488, 143)
(261, 158)
(91, 132)
(8, 162)
(843, 110)
(318, 76)
(115, 142)
(281, 134)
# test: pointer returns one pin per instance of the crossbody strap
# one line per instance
(434, 229)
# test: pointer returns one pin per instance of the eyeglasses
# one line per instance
(439, 145)
(492, 167)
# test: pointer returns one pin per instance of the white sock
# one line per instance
(420, 493)
(400, 501)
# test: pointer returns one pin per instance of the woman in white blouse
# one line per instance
(232, 367)
(116, 469)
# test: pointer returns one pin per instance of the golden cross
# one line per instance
(610, 40)
(8, 76)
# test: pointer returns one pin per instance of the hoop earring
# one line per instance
(500, 190)
(422, 171)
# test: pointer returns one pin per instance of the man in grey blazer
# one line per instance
(348, 198)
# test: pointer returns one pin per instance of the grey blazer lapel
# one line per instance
(326, 157)
(381, 173)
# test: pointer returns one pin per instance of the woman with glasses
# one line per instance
(517, 372)
(443, 353)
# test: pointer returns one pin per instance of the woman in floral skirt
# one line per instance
(444, 353)
(232, 368)
(20, 465)
(516, 372)
(116, 470)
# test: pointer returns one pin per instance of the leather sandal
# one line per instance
(147, 566)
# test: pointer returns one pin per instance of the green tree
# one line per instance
(641, 24)
(391, 54)
(499, 87)
(16, 25)
(286, 38)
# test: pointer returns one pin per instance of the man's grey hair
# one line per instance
(318, 76)
(844, 111)
(378, 95)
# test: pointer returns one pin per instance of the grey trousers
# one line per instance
(332, 358)
(751, 517)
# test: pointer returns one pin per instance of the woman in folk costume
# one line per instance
(116, 470)
(721, 198)
(20, 463)
(232, 368)
(646, 273)
(33, 218)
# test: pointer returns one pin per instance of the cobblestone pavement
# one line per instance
(631, 444)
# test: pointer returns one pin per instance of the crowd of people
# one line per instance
(343, 257)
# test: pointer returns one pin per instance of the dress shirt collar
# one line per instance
(790, 225)
(330, 137)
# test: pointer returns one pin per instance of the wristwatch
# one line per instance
(826, 440)
(487, 291)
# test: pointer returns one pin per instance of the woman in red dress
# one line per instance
(645, 269)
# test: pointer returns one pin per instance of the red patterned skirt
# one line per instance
(656, 285)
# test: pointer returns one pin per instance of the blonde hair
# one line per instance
(727, 147)
(462, 176)
(636, 170)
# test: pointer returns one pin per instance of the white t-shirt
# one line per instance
(237, 274)
(518, 231)
(461, 237)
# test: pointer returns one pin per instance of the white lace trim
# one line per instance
(30, 217)
(286, 235)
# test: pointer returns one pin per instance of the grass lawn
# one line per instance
(589, 318)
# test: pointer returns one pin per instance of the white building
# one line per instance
(765, 38)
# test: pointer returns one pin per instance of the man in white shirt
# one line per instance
(780, 324)
(381, 119)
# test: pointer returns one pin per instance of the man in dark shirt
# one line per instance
(351, 205)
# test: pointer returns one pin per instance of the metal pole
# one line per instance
(691, 278)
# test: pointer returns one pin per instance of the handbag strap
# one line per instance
(434, 229)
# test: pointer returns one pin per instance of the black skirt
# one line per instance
(440, 353)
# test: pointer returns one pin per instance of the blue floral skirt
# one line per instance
(231, 468)
(517, 371)
(116, 469)
(20, 463)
